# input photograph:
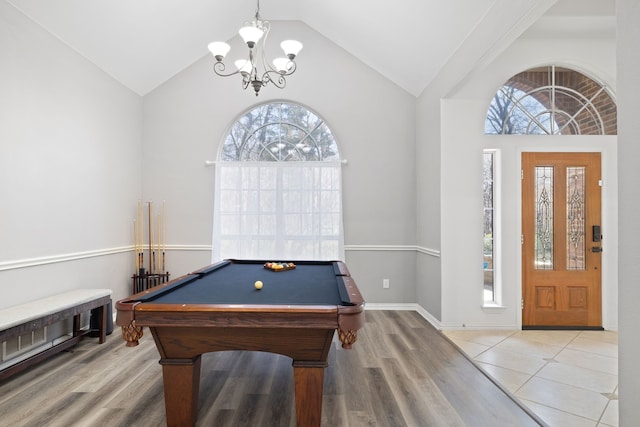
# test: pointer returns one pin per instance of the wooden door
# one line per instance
(561, 247)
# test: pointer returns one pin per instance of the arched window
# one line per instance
(553, 101)
(278, 187)
(280, 131)
(546, 100)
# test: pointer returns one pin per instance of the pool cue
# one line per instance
(164, 234)
(136, 278)
(139, 242)
(159, 243)
(135, 245)
(140, 237)
(152, 255)
(135, 256)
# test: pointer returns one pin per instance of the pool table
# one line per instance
(218, 308)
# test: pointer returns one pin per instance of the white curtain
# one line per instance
(278, 211)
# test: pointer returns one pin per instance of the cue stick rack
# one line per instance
(154, 272)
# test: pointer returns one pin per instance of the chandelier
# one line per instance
(252, 32)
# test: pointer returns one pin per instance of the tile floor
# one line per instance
(567, 378)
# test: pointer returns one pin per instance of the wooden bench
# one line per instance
(25, 318)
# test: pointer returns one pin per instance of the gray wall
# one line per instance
(628, 12)
(69, 167)
(428, 181)
(186, 119)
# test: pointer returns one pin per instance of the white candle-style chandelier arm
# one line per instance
(271, 73)
(219, 50)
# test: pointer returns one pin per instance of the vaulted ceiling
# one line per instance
(143, 43)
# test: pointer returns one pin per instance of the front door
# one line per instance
(561, 247)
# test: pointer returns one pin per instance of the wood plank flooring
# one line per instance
(401, 372)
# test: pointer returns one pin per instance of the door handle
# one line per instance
(596, 249)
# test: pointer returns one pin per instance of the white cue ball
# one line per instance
(258, 284)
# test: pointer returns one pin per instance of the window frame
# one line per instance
(551, 100)
(496, 246)
(256, 213)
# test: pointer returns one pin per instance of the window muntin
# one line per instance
(278, 187)
(552, 101)
(279, 131)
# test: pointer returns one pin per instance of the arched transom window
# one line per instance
(280, 131)
(278, 187)
(552, 101)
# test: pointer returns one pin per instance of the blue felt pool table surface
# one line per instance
(233, 282)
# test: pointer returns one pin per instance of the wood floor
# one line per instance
(401, 372)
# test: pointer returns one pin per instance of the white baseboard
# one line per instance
(441, 326)
(408, 307)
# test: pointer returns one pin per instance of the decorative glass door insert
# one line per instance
(561, 261)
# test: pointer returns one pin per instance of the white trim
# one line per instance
(429, 317)
(379, 248)
(478, 327)
(388, 248)
(435, 322)
(53, 259)
(408, 307)
(203, 248)
(493, 308)
(74, 256)
(401, 306)
(496, 225)
(428, 251)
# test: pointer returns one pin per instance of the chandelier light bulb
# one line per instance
(219, 50)
(282, 64)
(291, 48)
(250, 35)
(243, 66)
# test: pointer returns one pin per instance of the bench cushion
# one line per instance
(23, 313)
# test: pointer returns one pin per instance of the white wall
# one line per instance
(461, 183)
(628, 16)
(472, 55)
(186, 119)
(69, 167)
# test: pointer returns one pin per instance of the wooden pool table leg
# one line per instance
(308, 379)
(181, 379)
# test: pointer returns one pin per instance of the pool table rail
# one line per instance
(133, 315)
(183, 330)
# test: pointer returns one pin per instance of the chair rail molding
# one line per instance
(391, 248)
(74, 256)
(53, 259)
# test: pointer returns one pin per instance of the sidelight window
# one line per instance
(491, 228)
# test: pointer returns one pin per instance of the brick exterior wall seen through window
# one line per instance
(576, 103)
